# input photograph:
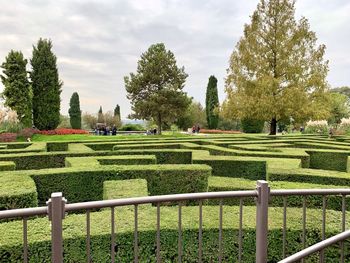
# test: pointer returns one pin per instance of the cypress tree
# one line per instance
(117, 112)
(17, 90)
(74, 111)
(211, 103)
(46, 86)
(100, 118)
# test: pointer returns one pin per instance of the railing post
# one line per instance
(56, 211)
(262, 206)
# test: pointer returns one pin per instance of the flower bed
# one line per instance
(218, 131)
(63, 132)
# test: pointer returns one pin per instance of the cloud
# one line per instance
(97, 43)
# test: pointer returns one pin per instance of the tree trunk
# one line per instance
(159, 124)
(273, 126)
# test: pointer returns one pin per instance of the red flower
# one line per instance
(63, 131)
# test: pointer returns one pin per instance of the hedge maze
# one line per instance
(97, 170)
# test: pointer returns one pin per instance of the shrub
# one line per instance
(252, 125)
(28, 132)
(132, 127)
(8, 137)
(344, 125)
(317, 127)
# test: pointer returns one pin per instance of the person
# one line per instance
(198, 128)
(155, 131)
(331, 132)
(193, 129)
(114, 130)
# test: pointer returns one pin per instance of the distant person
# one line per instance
(114, 130)
(105, 131)
(155, 131)
(193, 129)
(302, 129)
(198, 129)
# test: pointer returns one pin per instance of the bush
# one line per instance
(28, 132)
(252, 125)
(218, 131)
(317, 127)
(8, 137)
(132, 127)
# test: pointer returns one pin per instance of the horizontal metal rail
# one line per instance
(303, 192)
(317, 247)
(159, 199)
(23, 212)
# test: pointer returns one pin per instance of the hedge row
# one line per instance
(235, 184)
(329, 159)
(164, 156)
(75, 239)
(124, 189)
(17, 191)
(86, 184)
(7, 166)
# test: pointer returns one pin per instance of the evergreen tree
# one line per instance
(17, 90)
(156, 89)
(100, 117)
(74, 111)
(212, 103)
(277, 70)
(46, 86)
(117, 112)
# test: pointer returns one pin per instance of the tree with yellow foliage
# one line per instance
(277, 71)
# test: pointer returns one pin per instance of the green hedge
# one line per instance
(124, 189)
(164, 156)
(57, 146)
(236, 184)
(329, 159)
(17, 191)
(7, 166)
(75, 239)
(226, 166)
(85, 184)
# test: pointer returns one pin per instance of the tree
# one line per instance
(156, 89)
(212, 103)
(100, 117)
(194, 115)
(17, 89)
(46, 86)
(74, 111)
(276, 71)
(89, 120)
(339, 107)
(342, 90)
(117, 112)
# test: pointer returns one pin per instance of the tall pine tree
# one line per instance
(46, 86)
(17, 92)
(74, 111)
(117, 112)
(212, 103)
(277, 70)
(100, 117)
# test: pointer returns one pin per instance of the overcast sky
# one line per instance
(97, 43)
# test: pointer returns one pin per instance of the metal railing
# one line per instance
(57, 208)
(317, 247)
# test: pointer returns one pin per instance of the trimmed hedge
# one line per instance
(124, 189)
(89, 162)
(164, 156)
(86, 184)
(7, 166)
(226, 166)
(329, 159)
(75, 235)
(236, 184)
(17, 191)
(57, 146)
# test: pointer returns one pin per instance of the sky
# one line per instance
(99, 42)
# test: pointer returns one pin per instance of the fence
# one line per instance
(57, 208)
